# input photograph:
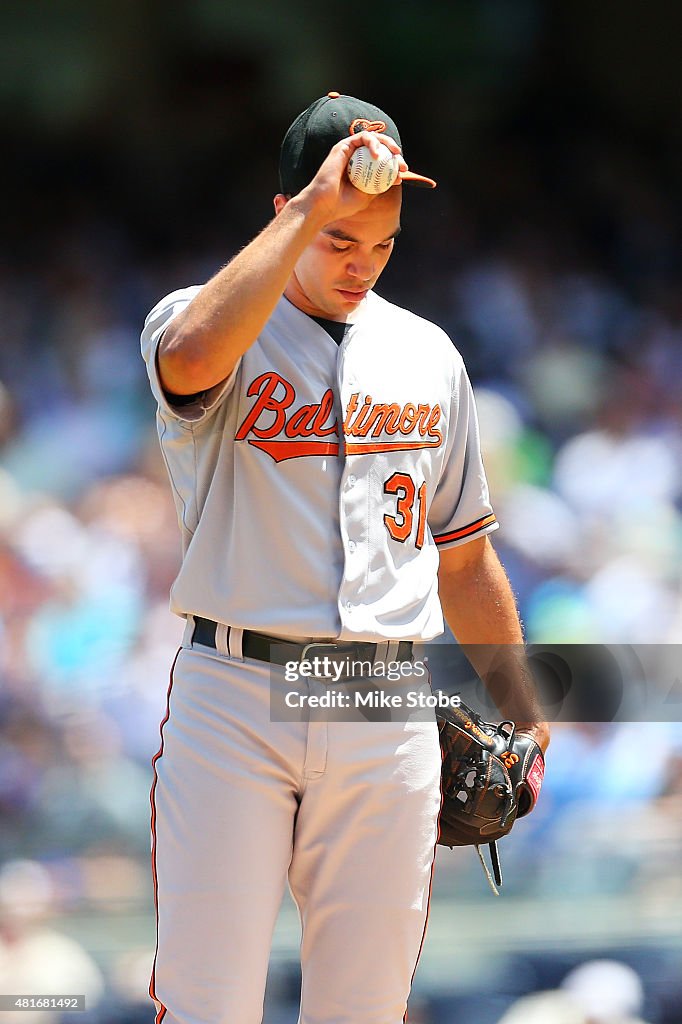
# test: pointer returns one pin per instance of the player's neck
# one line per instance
(297, 297)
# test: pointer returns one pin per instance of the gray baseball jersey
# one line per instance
(315, 486)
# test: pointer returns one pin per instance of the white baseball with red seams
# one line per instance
(373, 174)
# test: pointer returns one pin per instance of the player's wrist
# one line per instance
(538, 730)
(311, 206)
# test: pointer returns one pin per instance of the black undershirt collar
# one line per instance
(337, 331)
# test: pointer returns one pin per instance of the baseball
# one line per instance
(373, 175)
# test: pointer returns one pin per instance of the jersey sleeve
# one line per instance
(461, 509)
(198, 406)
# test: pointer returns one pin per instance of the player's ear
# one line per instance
(280, 201)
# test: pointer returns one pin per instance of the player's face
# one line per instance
(346, 259)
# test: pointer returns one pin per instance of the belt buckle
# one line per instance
(316, 643)
(330, 646)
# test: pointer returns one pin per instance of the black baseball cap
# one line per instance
(326, 121)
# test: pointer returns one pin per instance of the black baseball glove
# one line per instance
(491, 775)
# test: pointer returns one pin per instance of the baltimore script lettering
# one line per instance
(284, 429)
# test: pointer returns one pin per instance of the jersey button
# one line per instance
(351, 546)
(349, 606)
(352, 480)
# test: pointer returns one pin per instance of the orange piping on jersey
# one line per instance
(282, 450)
(161, 1013)
(388, 446)
(433, 865)
(466, 531)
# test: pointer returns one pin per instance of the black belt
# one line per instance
(279, 652)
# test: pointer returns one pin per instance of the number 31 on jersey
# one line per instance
(400, 525)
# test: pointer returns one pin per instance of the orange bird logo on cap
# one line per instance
(361, 124)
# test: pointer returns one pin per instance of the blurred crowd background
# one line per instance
(140, 144)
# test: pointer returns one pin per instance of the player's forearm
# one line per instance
(479, 607)
(201, 347)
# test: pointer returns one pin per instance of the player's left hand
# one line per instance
(491, 775)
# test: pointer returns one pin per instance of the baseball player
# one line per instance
(323, 453)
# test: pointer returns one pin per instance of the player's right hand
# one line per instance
(330, 194)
